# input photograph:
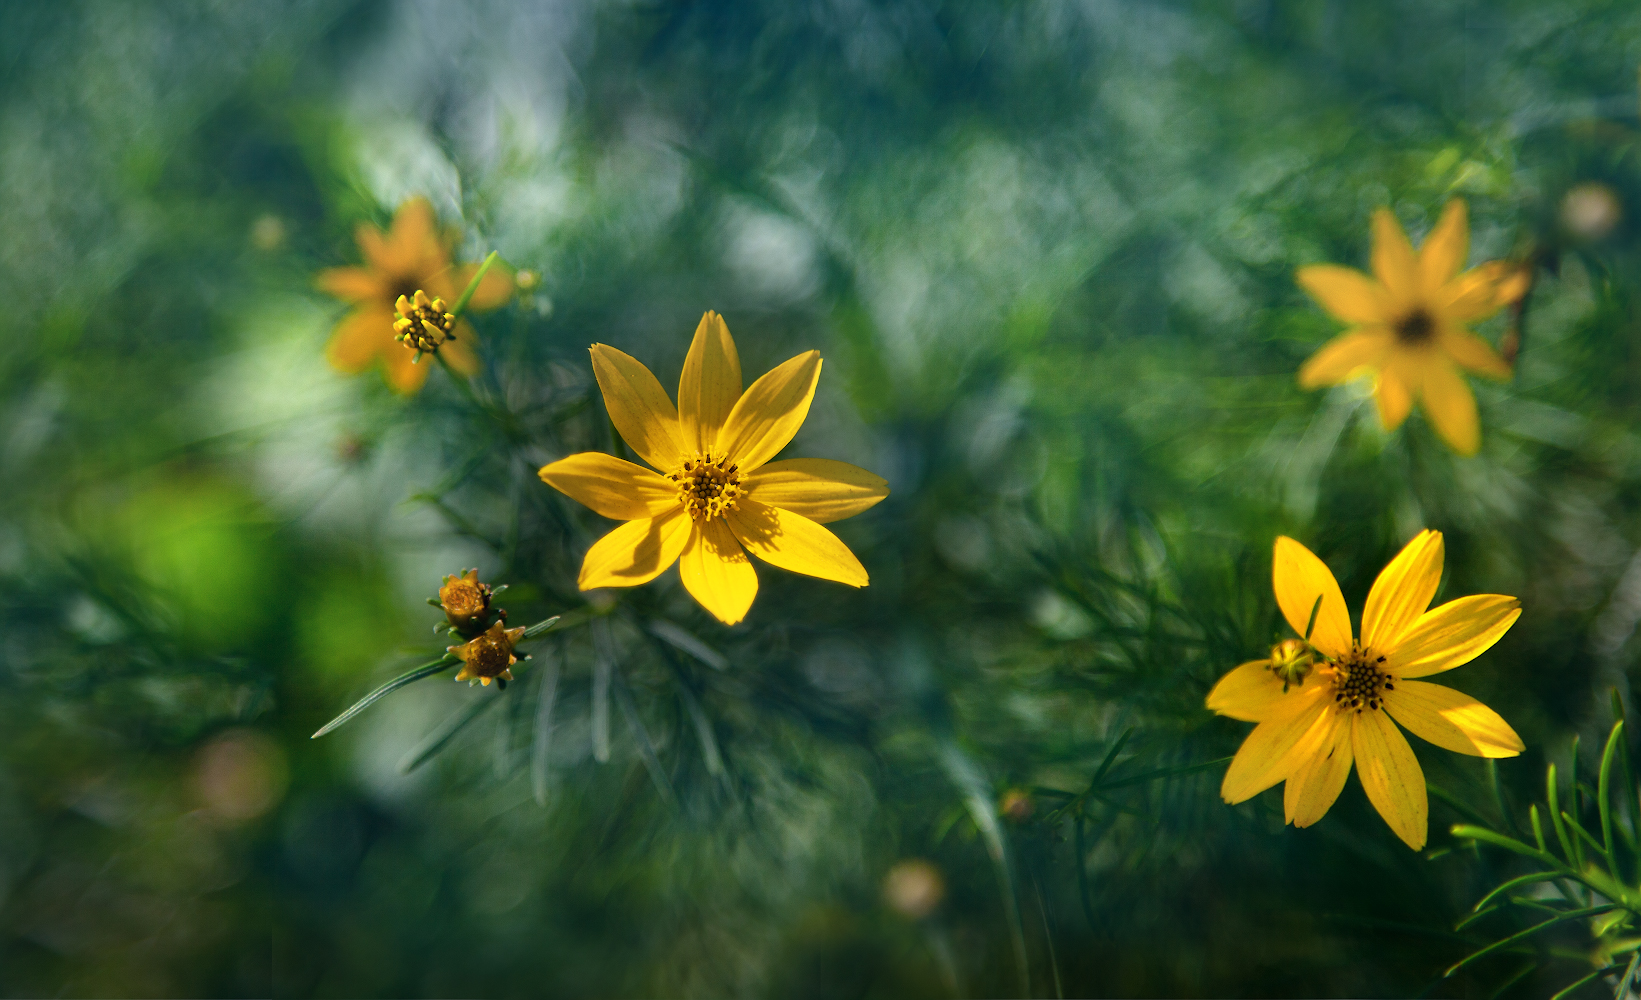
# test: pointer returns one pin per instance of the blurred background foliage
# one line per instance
(1047, 251)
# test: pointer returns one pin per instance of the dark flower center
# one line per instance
(1417, 327)
(1360, 680)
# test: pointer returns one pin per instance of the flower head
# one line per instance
(412, 257)
(466, 601)
(423, 325)
(1309, 733)
(488, 656)
(1408, 323)
(714, 494)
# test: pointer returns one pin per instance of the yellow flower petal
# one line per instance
(1482, 291)
(1248, 692)
(362, 335)
(1299, 579)
(638, 407)
(1451, 406)
(1352, 353)
(610, 486)
(820, 489)
(1446, 248)
(717, 573)
(1390, 775)
(1284, 741)
(1452, 720)
(1452, 635)
(770, 412)
(403, 372)
(1393, 261)
(1393, 392)
(636, 552)
(1471, 351)
(792, 541)
(459, 353)
(351, 284)
(1345, 292)
(1403, 591)
(1313, 789)
(710, 383)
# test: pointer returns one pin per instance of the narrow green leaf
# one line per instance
(1518, 881)
(441, 737)
(1568, 990)
(686, 642)
(425, 670)
(603, 669)
(1588, 911)
(542, 740)
(1110, 758)
(1486, 836)
(646, 748)
(1604, 788)
(1315, 608)
(1538, 828)
(1554, 798)
(473, 285)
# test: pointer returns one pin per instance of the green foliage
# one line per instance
(1047, 251)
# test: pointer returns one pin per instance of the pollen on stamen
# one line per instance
(708, 485)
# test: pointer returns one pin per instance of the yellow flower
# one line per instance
(411, 256)
(488, 656)
(714, 498)
(1311, 730)
(1408, 323)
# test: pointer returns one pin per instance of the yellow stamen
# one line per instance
(424, 324)
(707, 485)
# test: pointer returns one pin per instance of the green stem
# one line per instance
(473, 286)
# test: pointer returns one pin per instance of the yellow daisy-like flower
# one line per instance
(1408, 323)
(1316, 718)
(411, 257)
(716, 495)
(488, 656)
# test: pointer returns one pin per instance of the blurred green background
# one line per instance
(1047, 251)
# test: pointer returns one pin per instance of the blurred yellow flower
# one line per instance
(411, 256)
(714, 497)
(1311, 730)
(1408, 323)
(488, 656)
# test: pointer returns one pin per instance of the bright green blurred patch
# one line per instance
(209, 551)
(345, 618)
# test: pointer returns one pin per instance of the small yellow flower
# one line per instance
(466, 601)
(411, 256)
(1309, 733)
(1408, 323)
(423, 324)
(716, 495)
(488, 656)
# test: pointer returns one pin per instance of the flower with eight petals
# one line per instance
(715, 494)
(1312, 725)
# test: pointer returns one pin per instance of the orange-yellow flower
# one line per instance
(488, 656)
(715, 495)
(1408, 324)
(1316, 718)
(412, 255)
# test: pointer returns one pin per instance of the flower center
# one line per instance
(708, 485)
(1359, 680)
(423, 323)
(487, 656)
(465, 600)
(1417, 327)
